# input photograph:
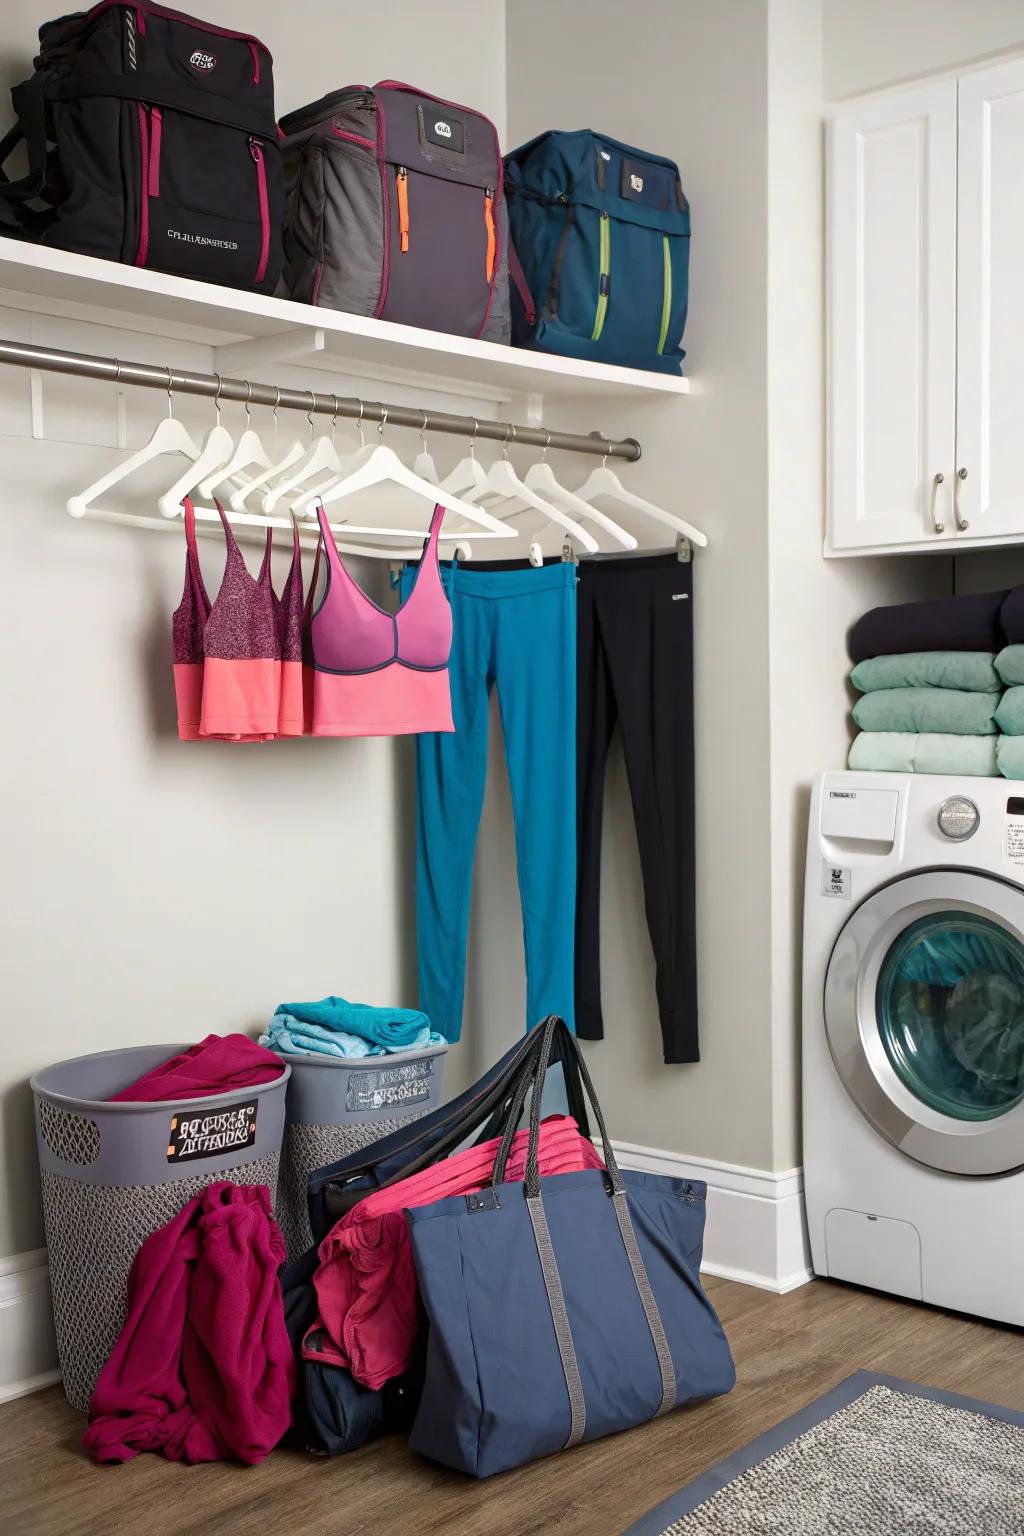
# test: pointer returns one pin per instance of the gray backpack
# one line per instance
(394, 208)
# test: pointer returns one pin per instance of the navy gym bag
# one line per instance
(560, 1309)
(603, 234)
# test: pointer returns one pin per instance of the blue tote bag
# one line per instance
(560, 1309)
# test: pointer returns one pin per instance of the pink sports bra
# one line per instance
(378, 673)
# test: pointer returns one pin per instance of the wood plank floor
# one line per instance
(789, 1349)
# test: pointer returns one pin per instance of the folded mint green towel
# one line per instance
(1010, 756)
(1010, 664)
(951, 711)
(1010, 714)
(974, 671)
(927, 752)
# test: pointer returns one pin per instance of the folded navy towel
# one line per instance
(1012, 616)
(970, 622)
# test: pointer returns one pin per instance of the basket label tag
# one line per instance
(407, 1083)
(227, 1129)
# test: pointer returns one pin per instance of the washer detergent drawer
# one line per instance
(875, 1251)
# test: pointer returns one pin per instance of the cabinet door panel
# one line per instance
(892, 318)
(990, 302)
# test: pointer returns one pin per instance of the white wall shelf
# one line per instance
(252, 330)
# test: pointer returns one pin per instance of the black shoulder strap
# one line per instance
(29, 99)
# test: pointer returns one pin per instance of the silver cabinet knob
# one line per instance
(961, 522)
(937, 526)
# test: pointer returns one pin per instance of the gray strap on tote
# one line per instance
(560, 1318)
(549, 1265)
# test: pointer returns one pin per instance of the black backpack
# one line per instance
(151, 139)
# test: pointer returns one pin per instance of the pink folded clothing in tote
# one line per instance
(203, 1368)
(366, 1283)
(216, 1065)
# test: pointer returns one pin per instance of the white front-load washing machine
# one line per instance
(913, 1037)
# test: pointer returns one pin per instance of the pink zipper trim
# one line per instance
(156, 121)
(256, 149)
(143, 250)
(140, 21)
(353, 138)
(385, 187)
(255, 62)
(412, 90)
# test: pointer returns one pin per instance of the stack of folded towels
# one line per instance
(931, 676)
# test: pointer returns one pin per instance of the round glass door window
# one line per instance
(950, 1011)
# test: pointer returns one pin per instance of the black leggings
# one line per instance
(635, 665)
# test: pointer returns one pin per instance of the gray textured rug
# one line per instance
(876, 1457)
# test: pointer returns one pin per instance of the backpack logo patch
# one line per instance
(446, 133)
(636, 182)
(443, 130)
(203, 62)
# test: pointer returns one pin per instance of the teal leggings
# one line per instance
(516, 631)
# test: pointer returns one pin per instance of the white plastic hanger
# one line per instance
(468, 474)
(380, 464)
(170, 436)
(321, 459)
(306, 504)
(503, 482)
(249, 450)
(540, 477)
(603, 481)
(280, 465)
(216, 451)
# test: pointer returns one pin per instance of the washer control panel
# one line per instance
(958, 818)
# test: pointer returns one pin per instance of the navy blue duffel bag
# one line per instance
(560, 1309)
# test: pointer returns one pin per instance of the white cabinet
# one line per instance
(926, 317)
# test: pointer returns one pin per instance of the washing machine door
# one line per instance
(924, 1011)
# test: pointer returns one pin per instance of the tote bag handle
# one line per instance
(553, 1028)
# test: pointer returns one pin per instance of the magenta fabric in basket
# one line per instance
(366, 1282)
(203, 1368)
(217, 1064)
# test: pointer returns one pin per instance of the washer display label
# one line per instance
(836, 880)
(1013, 833)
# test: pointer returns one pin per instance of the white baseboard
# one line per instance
(756, 1231)
(28, 1349)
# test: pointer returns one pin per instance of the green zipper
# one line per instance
(603, 277)
(666, 292)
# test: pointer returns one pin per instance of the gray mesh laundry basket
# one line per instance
(337, 1105)
(113, 1173)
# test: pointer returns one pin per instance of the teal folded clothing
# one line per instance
(951, 711)
(1010, 714)
(1010, 665)
(973, 671)
(389, 1027)
(926, 752)
(1010, 756)
(293, 1037)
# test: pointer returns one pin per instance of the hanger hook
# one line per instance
(117, 370)
(508, 434)
(309, 413)
(170, 391)
(216, 398)
(359, 424)
(472, 441)
(423, 431)
(547, 445)
(607, 445)
(334, 418)
(383, 422)
(248, 397)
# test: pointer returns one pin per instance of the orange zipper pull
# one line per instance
(402, 179)
(489, 222)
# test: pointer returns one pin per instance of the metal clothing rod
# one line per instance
(82, 365)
